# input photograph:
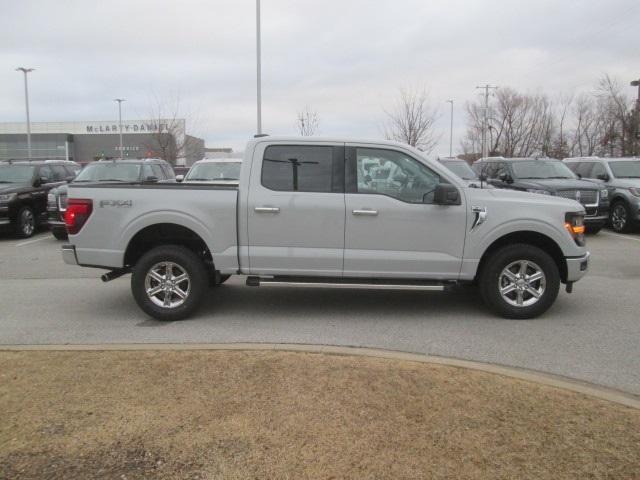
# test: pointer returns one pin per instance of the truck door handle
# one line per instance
(267, 209)
(370, 213)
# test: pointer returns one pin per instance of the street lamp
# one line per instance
(258, 69)
(26, 102)
(636, 83)
(451, 130)
(120, 100)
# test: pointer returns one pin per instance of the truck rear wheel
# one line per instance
(169, 282)
(519, 281)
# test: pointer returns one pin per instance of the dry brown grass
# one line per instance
(225, 414)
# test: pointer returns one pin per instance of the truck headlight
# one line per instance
(541, 192)
(635, 191)
(604, 194)
(574, 223)
(51, 199)
(7, 197)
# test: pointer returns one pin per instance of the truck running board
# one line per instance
(339, 282)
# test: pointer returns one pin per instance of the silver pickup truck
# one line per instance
(329, 212)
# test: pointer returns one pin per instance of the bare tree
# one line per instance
(412, 120)
(308, 122)
(169, 138)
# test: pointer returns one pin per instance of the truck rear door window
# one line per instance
(298, 168)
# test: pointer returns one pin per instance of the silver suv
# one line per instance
(622, 177)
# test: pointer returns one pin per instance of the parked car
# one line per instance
(23, 192)
(464, 171)
(622, 177)
(219, 170)
(546, 176)
(304, 214)
(128, 171)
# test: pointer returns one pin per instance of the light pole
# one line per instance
(26, 102)
(485, 120)
(120, 100)
(636, 83)
(258, 69)
(451, 130)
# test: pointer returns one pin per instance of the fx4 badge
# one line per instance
(116, 203)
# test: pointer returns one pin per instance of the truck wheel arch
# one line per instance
(532, 238)
(165, 234)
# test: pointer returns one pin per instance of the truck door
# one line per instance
(296, 210)
(393, 229)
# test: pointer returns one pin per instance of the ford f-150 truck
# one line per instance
(359, 214)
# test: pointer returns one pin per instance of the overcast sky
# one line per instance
(346, 59)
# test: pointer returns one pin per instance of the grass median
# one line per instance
(233, 414)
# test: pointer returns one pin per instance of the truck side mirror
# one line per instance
(505, 177)
(179, 178)
(446, 194)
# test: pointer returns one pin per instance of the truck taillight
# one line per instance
(78, 212)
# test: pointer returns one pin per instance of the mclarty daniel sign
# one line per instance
(132, 127)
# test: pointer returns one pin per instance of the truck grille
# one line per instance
(585, 197)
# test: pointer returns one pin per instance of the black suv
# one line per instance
(23, 191)
(126, 171)
(547, 176)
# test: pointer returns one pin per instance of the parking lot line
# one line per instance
(626, 237)
(28, 242)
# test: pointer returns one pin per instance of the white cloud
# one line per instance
(345, 58)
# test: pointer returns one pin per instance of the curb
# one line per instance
(546, 379)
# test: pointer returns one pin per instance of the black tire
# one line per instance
(620, 217)
(491, 278)
(593, 230)
(188, 262)
(25, 222)
(59, 233)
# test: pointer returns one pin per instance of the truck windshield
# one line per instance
(109, 172)
(541, 169)
(11, 173)
(215, 171)
(626, 169)
(462, 169)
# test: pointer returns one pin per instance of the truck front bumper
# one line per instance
(577, 267)
(69, 254)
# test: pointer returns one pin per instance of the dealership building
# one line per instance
(88, 141)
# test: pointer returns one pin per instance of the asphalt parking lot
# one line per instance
(591, 335)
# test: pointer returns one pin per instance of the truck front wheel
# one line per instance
(169, 282)
(519, 281)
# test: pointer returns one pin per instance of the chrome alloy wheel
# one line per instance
(27, 222)
(619, 218)
(522, 283)
(167, 284)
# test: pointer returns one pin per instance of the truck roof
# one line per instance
(299, 139)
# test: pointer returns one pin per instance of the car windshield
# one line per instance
(12, 173)
(626, 169)
(541, 169)
(462, 169)
(109, 172)
(215, 171)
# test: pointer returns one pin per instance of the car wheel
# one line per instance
(593, 230)
(169, 282)
(25, 222)
(619, 217)
(519, 281)
(60, 233)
